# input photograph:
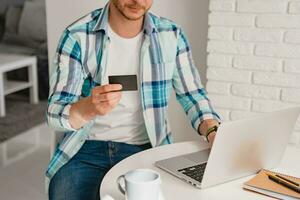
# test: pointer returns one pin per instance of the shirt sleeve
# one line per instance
(187, 84)
(66, 80)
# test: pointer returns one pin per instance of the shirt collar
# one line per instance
(102, 22)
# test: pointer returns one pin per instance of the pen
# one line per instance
(288, 180)
(284, 182)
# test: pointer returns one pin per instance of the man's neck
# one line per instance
(124, 27)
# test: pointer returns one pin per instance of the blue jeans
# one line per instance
(81, 177)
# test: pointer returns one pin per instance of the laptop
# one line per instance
(241, 148)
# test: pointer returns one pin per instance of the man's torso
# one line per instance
(125, 123)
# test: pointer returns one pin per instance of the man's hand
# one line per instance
(102, 101)
(211, 138)
(105, 98)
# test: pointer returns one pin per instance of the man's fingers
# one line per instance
(110, 104)
(108, 96)
(107, 88)
(211, 138)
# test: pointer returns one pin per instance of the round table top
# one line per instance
(172, 187)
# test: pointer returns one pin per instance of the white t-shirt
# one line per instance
(125, 123)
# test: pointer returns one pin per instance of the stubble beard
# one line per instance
(122, 10)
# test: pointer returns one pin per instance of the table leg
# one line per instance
(2, 96)
(32, 73)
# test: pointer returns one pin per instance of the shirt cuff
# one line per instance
(65, 116)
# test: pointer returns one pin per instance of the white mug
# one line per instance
(140, 184)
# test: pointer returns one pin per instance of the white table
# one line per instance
(10, 62)
(175, 189)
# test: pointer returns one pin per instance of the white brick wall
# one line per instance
(254, 57)
(294, 7)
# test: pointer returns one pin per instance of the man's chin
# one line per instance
(133, 17)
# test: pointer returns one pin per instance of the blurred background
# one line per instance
(247, 53)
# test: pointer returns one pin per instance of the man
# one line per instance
(102, 124)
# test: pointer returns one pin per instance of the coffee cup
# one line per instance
(140, 184)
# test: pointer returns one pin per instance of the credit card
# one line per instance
(129, 82)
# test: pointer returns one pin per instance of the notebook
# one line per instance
(263, 185)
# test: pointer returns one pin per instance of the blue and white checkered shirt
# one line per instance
(166, 63)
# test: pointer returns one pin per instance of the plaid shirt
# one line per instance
(165, 62)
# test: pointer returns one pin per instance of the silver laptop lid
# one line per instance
(245, 146)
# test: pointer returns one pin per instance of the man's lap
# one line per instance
(81, 177)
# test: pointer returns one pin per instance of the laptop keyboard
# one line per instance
(195, 172)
